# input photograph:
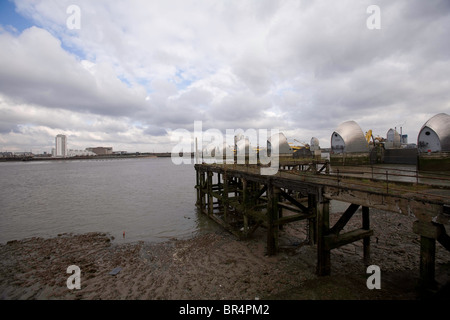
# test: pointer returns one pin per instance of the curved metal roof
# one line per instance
(314, 144)
(281, 143)
(353, 137)
(215, 150)
(440, 124)
(243, 147)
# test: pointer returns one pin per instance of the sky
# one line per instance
(126, 74)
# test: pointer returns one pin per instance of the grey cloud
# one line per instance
(313, 64)
(7, 127)
(34, 69)
(155, 131)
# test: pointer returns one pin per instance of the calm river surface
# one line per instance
(151, 199)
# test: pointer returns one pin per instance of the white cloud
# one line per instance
(139, 67)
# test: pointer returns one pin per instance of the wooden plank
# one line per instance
(272, 215)
(427, 229)
(444, 239)
(366, 240)
(293, 201)
(333, 241)
(225, 196)
(424, 210)
(226, 226)
(290, 208)
(427, 262)
(245, 203)
(322, 210)
(434, 231)
(312, 223)
(261, 192)
(346, 216)
(292, 218)
(210, 195)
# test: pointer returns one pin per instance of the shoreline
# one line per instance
(215, 266)
(98, 157)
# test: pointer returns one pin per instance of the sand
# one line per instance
(217, 266)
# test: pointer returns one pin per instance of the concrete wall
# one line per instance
(400, 156)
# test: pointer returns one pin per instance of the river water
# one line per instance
(150, 199)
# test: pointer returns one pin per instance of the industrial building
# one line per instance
(80, 153)
(393, 139)
(101, 150)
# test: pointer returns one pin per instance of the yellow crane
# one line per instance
(298, 147)
(369, 135)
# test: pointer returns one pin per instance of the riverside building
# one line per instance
(61, 146)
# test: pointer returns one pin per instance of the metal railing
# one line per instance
(385, 180)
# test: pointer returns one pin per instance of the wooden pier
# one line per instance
(241, 199)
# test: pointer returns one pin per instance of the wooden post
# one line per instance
(312, 228)
(244, 205)
(272, 215)
(202, 193)
(366, 240)
(427, 264)
(323, 226)
(210, 196)
(428, 232)
(197, 186)
(225, 197)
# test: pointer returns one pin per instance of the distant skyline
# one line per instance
(123, 74)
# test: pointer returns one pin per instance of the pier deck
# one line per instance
(241, 199)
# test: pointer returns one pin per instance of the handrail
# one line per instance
(391, 187)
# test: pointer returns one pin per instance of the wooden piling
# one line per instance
(247, 200)
(366, 240)
(225, 196)
(427, 262)
(245, 193)
(312, 222)
(209, 193)
(272, 216)
(323, 226)
(428, 232)
(201, 186)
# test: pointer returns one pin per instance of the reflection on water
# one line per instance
(150, 199)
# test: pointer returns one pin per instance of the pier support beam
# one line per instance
(428, 232)
(201, 203)
(312, 222)
(323, 227)
(225, 196)
(210, 195)
(366, 240)
(246, 198)
(245, 202)
(427, 262)
(273, 195)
